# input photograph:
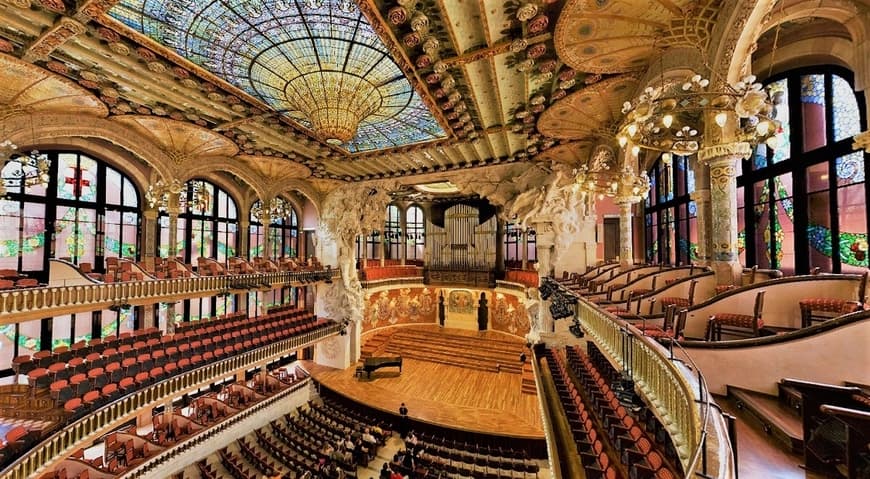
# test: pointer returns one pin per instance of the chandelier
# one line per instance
(158, 194)
(671, 117)
(21, 171)
(278, 209)
(604, 177)
(335, 102)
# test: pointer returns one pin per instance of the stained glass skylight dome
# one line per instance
(319, 61)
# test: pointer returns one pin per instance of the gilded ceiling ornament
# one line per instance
(423, 61)
(538, 24)
(411, 39)
(526, 65)
(108, 35)
(526, 12)
(156, 67)
(536, 50)
(431, 45)
(146, 54)
(119, 48)
(518, 45)
(20, 3)
(420, 22)
(6, 46)
(53, 5)
(397, 15)
(57, 67)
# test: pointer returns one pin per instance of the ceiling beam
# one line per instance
(497, 49)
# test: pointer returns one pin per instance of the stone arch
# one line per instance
(54, 128)
(733, 39)
(201, 168)
(112, 155)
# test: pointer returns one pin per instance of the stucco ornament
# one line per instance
(348, 211)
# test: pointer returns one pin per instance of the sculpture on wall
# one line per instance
(349, 211)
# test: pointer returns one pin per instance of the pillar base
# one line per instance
(727, 272)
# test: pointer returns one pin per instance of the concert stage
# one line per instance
(444, 395)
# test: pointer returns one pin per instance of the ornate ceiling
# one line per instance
(453, 85)
(289, 54)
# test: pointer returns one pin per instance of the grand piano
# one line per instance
(372, 364)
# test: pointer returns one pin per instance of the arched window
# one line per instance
(813, 181)
(670, 214)
(91, 208)
(283, 231)
(513, 245)
(393, 233)
(415, 234)
(207, 224)
(86, 212)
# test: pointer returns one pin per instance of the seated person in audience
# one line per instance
(348, 444)
(367, 437)
(408, 460)
(396, 475)
(411, 439)
(378, 433)
(385, 472)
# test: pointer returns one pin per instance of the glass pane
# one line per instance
(33, 238)
(762, 225)
(10, 221)
(222, 204)
(850, 168)
(852, 212)
(113, 187)
(131, 197)
(813, 109)
(29, 341)
(83, 327)
(847, 117)
(819, 221)
(12, 170)
(60, 331)
(784, 223)
(778, 91)
(68, 172)
(113, 234)
(680, 163)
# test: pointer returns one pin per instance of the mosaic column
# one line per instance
(244, 238)
(172, 237)
(722, 161)
(626, 235)
(265, 220)
(149, 233)
(702, 213)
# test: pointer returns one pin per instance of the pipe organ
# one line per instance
(463, 243)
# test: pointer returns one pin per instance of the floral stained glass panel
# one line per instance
(847, 117)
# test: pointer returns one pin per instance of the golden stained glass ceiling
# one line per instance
(265, 47)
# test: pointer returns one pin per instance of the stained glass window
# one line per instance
(207, 225)
(263, 46)
(415, 239)
(393, 233)
(671, 216)
(831, 190)
(89, 201)
(283, 234)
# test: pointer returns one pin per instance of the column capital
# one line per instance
(862, 140)
(716, 155)
(150, 214)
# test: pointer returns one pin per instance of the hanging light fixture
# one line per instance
(278, 209)
(605, 176)
(22, 170)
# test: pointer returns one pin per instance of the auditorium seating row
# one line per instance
(602, 423)
(100, 388)
(376, 273)
(47, 367)
(473, 448)
(350, 418)
(125, 449)
(441, 460)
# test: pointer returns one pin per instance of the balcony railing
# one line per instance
(35, 303)
(665, 386)
(59, 445)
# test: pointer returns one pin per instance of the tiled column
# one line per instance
(149, 233)
(722, 161)
(266, 220)
(626, 235)
(702, 212)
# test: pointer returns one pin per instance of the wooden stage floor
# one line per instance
(448, 396)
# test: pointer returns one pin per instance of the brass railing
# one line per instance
(667, 390)
(62, 443)
(35, 303)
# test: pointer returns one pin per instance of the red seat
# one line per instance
(142, 378)
(38, 378)
(90, 398)
(109, 390)
(127, 384)
(16, 434)
(746, 325)
(74, 405)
